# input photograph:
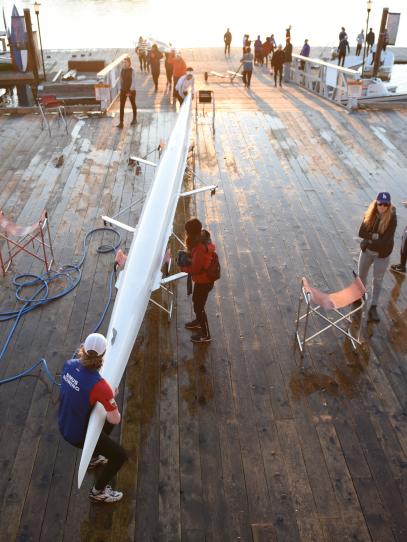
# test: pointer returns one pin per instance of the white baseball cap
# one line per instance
(95, 342)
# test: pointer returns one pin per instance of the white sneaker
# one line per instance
(105, 495)
(96, 461)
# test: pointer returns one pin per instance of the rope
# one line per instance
(71, 274)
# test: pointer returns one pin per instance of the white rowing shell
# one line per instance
(142, 272)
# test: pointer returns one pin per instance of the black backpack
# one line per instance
(213, 271)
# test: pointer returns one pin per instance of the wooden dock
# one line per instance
(230, 441)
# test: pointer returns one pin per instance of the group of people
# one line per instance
(361, 40)
(280, 59)
(82, 385)
(179, 76)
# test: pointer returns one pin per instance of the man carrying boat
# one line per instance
(82, 386)
(184, 85)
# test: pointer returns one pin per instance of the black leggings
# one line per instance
(403, 249)
(278, 71)
(132, 98)
(199, 297)
(115, 454)
(247, 76)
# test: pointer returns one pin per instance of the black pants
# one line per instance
(199, 297)
(341, 58)
(155, 72)
(278, 70)
(174, 92)
(227, 48)
(132, 98)
(168, 71)
(143, 61)
(247, 76)
(115, 454)
(358, 49)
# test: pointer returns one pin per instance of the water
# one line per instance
(69, 24)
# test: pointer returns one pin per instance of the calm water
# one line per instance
(196, 23)
(71, 24)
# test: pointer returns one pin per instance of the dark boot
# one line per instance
(373, 315)
(134, 121)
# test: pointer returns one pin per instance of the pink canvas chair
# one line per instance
(340, 303)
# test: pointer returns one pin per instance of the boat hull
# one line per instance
(142, 272)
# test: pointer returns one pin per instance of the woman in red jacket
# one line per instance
(200, 250)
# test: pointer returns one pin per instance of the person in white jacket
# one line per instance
(185, 84)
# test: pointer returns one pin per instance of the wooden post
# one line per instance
(380, 42)
(32, 57)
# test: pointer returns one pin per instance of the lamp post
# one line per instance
(37, 6)
(369, 7)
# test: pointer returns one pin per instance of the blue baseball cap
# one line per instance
(383, 197)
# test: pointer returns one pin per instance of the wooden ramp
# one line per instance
(231, 440)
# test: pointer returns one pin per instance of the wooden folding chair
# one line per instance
(25, 239)
(50, 103)
(343, 304)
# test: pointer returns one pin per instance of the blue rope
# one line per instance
(71, 274)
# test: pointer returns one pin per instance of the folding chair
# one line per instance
(316, 300)
(49, 102)
(28, 236)
(205, 97)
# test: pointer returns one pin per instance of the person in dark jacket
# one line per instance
(401, 267)
(305, 51)
(377, 233)
(342, 48)
(81, 388)
(342, 34)
(258, 52)
(277, 62)
(370, 38)
(227, 38)
(266, 50)
(200, 251)
(155, 58)
(127, 90)
(288, 58)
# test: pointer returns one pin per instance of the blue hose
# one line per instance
(71, 274)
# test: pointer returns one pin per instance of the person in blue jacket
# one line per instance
(82, 386)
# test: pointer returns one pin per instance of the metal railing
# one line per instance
(323, 78)
(107, 87)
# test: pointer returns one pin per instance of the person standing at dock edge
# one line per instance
(227, 38)
(342, 48)
(185, 84)
(377, 233)
(200, 251)
(127, 90)
(81, 387)
(247, 61)
(401, 267)
(305, 51)
(370, 40)
(360, 40)
(155, 59)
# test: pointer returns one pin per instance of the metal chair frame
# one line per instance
(306, 295)
(205, 97)
(40, 234)
(49, 102)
